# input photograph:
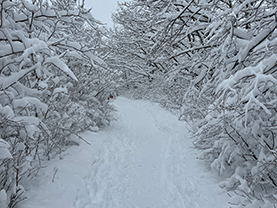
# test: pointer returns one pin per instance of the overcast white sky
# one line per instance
(103, 9)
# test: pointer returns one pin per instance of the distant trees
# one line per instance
(168, 37)
(52, 85)
(215, 61)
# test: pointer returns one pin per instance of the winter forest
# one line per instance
(212, 63)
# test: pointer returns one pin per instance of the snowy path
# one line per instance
(143, 160)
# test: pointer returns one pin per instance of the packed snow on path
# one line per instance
(144, 159)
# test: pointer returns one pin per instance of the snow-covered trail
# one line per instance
(143, 160)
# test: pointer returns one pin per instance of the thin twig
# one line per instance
(76, 135)
(56, 170)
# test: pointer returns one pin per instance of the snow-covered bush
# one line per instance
(42, 101)
(237, 134)
(19, 147)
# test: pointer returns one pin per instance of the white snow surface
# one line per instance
(145, 159)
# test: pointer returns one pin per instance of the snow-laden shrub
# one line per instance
(39, 104)
(238, 135)
(72, 110)
(19, 145)
(237, 131)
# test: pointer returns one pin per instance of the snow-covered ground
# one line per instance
(144, 159)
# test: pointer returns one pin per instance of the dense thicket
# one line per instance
(215, 62)
(53, 83)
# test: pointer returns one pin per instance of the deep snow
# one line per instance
(144, 159)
